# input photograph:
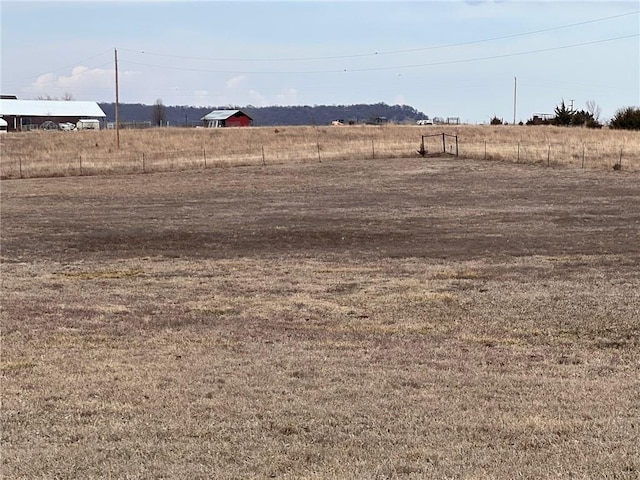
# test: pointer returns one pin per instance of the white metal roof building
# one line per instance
(19, 113)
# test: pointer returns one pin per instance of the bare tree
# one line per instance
(594, 109)
(67, 97)
(158, 113)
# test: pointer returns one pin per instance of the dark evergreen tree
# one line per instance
(584, 118)
(627, 118)
(563, 115)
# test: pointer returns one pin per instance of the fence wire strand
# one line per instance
(573, 154)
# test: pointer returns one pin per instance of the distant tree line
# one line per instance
(187, 116)
(325, 114)
(159, 114)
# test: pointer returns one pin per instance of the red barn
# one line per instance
(226, 118)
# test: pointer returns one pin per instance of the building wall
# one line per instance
(238, 120)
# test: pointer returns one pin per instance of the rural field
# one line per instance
(46, 154)
(368, 318)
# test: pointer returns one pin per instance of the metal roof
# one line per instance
(50, 108)
(222, 114)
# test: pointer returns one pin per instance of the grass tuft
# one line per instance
(6, 367)
(97, 274)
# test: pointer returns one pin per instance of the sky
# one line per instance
(472, 59)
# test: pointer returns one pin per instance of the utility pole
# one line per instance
(115, 51)
(515, 85)
(572, 100)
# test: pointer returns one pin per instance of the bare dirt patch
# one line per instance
(363, 319)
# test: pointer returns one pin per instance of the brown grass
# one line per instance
(350, 320)
(34, 154)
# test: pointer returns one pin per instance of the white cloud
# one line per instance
(201, 97)
(287, 96)
(83, 77)
(237, 81)
(399, 100)
(82, 83)
(44, 80)
(257, 99)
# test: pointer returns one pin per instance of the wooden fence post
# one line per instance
(263, 160)
(373, 149)
(318, 145)
(549, 155)
(620, 160)
(204, 157)
(422, 150)
(143, 165)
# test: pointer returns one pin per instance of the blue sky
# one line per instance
(445, 58)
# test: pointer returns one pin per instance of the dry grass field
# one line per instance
(40, 154)
(380, 318)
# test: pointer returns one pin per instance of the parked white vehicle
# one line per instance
(67, 126)
(88, 124)
(425, 121)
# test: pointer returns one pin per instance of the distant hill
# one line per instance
(272, 116)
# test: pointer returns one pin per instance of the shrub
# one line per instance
(585, 118)
(627, 118)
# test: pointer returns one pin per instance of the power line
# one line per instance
(396, 67)
(505, 55)
(392, 52)
(337, 57)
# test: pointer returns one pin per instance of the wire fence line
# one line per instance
(23, 165)
(579, 155)
(582, 155)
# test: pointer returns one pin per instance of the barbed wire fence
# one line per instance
(576, 155)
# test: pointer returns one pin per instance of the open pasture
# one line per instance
(380, 318)
(41, 154)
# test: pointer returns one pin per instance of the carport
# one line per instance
(22, 115)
